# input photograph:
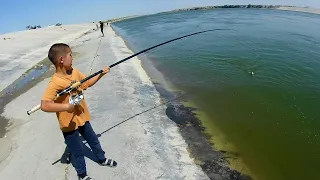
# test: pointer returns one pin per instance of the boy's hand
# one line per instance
(106, 70)
(70, 108)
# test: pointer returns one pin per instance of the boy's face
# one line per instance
(67, 60)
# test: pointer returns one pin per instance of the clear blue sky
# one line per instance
(15, 15)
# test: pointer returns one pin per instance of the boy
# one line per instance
(73, 119)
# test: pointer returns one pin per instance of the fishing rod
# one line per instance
(77, 84)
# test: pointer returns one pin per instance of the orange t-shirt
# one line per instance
(67, 121)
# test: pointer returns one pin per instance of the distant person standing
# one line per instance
(101, 27)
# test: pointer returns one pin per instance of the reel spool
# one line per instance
(76, 95)
(76, 99)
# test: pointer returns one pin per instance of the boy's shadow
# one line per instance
(65, 159)
(87, 152)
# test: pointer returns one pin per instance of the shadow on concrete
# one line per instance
(87, 152)
(66, 156)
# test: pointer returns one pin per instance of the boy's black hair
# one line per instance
(56, 50)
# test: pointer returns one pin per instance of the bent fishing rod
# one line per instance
(77, 84)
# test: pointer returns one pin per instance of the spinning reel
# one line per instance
(76, 95)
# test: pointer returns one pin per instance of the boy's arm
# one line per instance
(50, 106)
(95, 79)
(47, 102)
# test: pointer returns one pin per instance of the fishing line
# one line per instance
(77, 84)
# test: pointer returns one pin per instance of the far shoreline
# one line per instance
(203, 8)
(249, 6)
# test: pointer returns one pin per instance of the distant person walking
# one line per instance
(101, 27)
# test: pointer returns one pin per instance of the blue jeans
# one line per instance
(74, 145)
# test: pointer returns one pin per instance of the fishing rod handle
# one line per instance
(68, 89)
(36, 108)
